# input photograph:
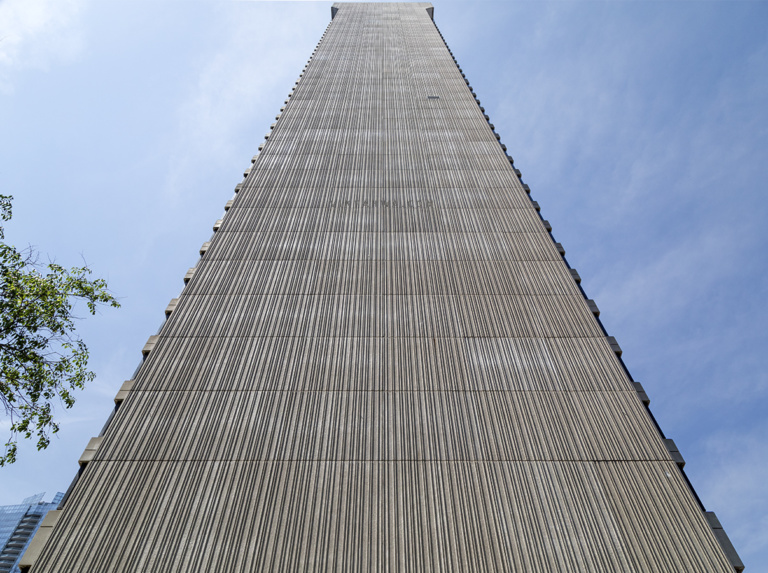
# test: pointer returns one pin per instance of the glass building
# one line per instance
(18, 524)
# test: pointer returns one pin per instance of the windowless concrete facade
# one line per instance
(382, 362)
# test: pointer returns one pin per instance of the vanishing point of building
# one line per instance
(381, 362)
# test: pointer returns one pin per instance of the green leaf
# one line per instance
(42, 360)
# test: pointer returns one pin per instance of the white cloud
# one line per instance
(237, 82)
(35, 33)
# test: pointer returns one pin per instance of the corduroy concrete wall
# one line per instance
(381, 362)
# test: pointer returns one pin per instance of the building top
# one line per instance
(426, 5)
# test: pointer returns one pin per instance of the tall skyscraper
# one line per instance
(382, 361)
(18, 524)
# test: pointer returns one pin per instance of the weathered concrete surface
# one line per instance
(382, 361)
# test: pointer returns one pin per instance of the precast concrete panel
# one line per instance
(382, 361)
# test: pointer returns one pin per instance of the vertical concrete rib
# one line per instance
(382, 361)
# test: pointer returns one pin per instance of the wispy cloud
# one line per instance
(735, 485)
(236, 84)
(35, 33)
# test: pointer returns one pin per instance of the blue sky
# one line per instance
(641, 127)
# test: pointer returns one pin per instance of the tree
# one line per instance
(42, 360)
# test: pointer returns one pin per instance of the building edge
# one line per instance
(710, 517)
